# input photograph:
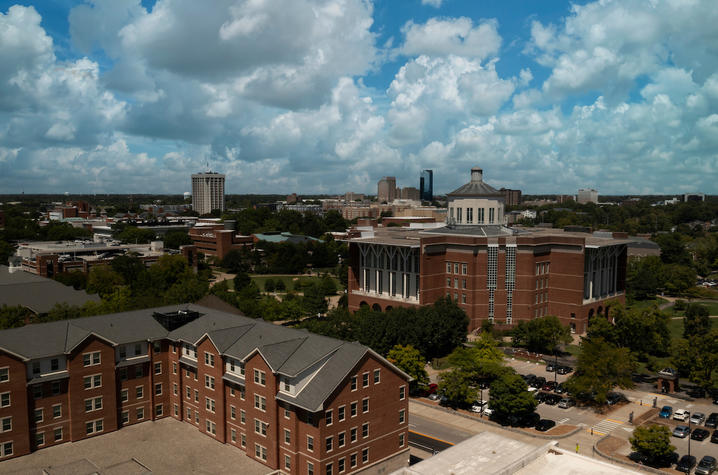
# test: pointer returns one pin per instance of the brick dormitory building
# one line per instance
(292, 400)
(494, 272)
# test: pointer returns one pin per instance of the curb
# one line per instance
(497, 425)
(634, 466)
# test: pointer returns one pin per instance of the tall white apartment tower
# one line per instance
(207, 192)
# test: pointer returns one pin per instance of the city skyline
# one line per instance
(322, 97)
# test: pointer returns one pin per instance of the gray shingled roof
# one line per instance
(288, 351)
(476, 189)
(331, 374)
(39, 294)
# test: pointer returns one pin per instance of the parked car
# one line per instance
(666, 412)
(478, 406)
(706, 466)
(714, 437)
(545, 424)
(550, 385)
(681, 432)
(552, 399)
(712, 420)
(681, 415)
(550, 367)
(560, 389)
(615, 398)
(564, 369)
(443, 400)
(540, 396)
(434, 396)
(488, 411)
(698, 418)
(565, 403)
(700, 434)
(686, 464)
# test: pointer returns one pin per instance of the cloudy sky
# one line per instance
(327, 96)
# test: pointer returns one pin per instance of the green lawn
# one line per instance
(641, 304)
(675, 326)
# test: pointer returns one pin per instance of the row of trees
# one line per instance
(285, 257)
(434, 330)
(247, 297)
(640, 217)
(262, 220)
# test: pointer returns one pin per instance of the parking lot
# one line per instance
(163, 446)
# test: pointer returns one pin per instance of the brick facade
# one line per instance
(548, 277)
(105, 386)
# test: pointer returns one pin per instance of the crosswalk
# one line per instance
(563, 421)
(606, 426)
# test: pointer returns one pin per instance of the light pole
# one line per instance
(689, 436)
(481, 401)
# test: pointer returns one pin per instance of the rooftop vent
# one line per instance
(173, 320)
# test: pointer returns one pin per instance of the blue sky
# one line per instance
(328, 96)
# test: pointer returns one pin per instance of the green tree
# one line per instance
(673, 248)
(644, 331)
(697, 359)
(645, 277)
(6, 250)
(235, 262)
(697, 321)
(600, 367)
(102, 280)
(129, 267)
(314, 301)
(481, 362)
(542, 335)
(329, 287)
(175, 239)
(13, 317)
(679, 279)
(269, 285)
(653, 442)
(455, 385)
(510, 397)
(241, 280)
(409, 360)
(134, 235)
(279, 285)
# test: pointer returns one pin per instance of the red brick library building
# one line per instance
(492, 271)
(294, 401)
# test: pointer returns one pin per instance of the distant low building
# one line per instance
(47, 258)
(217, 239)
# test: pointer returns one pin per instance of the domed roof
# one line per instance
(476, 187)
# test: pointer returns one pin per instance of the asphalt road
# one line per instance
(427, 433)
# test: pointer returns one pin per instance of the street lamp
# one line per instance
(689, 436)
(481, 401)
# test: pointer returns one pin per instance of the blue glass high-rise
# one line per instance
(426, 185)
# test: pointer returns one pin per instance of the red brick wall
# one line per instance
(18, 410)
(382, 416)
(78, 393)
(50, 423)
(216, 394)
(268, 391)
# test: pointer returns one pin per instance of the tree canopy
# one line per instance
(409, 360)
(653, 442)
(541, 335)
(600, 367)
(510, 397)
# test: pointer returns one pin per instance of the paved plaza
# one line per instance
(166, 446)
